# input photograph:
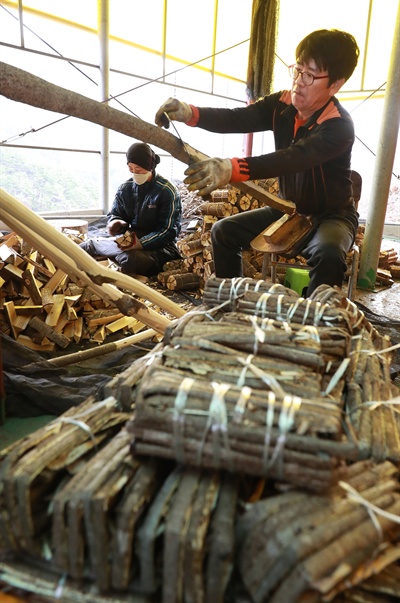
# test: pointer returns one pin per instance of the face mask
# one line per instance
(141, 178)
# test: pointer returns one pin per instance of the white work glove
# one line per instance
(208, 175)
(176, 111)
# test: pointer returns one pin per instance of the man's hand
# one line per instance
(176, 111)
(116, 226)
(208, 175)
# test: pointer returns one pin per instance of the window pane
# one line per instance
(50, 180)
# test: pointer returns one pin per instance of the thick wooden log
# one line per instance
(21, 86)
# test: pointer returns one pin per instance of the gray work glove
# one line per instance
(176, 111)
(208, 175)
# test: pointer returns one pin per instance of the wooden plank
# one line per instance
(32, 285)
(121, 323)
(28, 343)
(55, 312)
(56, 280)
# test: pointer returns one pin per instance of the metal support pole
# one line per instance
(103, 12)
(387, 142)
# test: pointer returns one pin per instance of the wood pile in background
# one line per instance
(45, 309)
(388, 267)
(195, 247)
(230, 464)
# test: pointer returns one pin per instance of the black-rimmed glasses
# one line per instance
(306, 77)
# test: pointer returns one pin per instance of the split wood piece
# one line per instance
(32, 467)
(296, 530)
(190, 248)
(176, 526)
(72, 537)
(395, 271)
(21, 86)
(45, 330)
(57, 280)
(33, 286)
(162, 277)
(151, 528)
(17, 323)
(125, 322)
(243, 202)
(208, 222)
(183, 281)
(53, 316)
(126, 240)
(219, 209)
(207, 253)
(75, 260)
(44, 346)
(209, 269)
(221, 550)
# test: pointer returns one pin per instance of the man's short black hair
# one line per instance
(332, 50)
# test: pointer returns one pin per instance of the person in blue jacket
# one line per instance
(148, 208)
(313, 135)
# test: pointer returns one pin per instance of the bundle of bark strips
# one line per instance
(96, 513)
(31, 469)
(372, 401)
(218, 425)
(300, 547)
(264, 354)
(75, 501)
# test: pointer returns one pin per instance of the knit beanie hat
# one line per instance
(141, 154)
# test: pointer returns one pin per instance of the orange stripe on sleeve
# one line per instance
(195, 116)
(240, 170)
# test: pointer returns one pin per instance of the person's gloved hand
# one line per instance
(176, 110)
(208, 175)
(116, 227)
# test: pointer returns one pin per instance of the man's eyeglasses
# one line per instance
(306, 77)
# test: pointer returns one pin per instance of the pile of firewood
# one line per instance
(195, 247)
(45, 309)
(388, 266)
(250, 456)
